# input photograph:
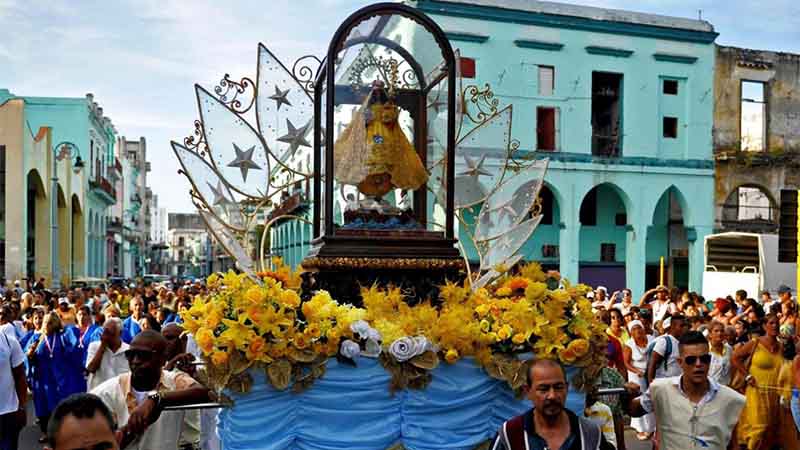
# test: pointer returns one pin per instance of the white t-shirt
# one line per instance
(112, 364)
(11, 356)
(164, 433)
(673, 368)
(601, 415)
(9, 330)
(720, 369)
(660, 309)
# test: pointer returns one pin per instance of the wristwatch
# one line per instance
(748, 378)
(156, 397)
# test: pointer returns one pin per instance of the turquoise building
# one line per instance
(81, 122)
(622, 105)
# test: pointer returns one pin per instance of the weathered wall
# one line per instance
(779, 166)
(781, 73)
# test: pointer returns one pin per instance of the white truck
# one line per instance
(746, 261)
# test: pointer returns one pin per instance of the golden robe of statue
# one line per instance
(374, 154)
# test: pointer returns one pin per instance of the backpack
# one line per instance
(649, 353)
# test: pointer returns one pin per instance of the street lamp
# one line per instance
(61, 151)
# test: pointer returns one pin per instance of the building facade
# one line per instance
(188, 244)
(622, 105)
(32, 127)
(756, 136)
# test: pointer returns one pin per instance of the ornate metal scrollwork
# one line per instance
(305, 74)
(229, 91)
(197, 140)
(483, 102)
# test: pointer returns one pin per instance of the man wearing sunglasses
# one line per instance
(137, 399)
(692, 410)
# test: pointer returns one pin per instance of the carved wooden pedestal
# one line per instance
(417, 261)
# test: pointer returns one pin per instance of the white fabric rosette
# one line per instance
(350, 349)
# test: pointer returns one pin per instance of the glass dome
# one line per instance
(385, 127)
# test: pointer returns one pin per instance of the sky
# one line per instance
(142, 58)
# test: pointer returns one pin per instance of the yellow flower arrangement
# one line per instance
(243, 322)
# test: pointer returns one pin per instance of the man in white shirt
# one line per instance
(662, 305)
(692, 410)
(105, 358)
(13, 392)
(137, 399)
(663, 361)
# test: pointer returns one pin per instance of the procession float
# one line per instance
(394, 332)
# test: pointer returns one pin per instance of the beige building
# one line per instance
(26, 227)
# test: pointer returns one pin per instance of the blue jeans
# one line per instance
(796, 407)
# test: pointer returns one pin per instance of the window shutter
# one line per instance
(546, 80)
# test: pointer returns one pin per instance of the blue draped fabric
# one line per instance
(351, 408)
(54, 378)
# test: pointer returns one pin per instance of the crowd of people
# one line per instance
(698, 373)
(123, 344)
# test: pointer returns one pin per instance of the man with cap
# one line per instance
(663, 361)
(66, 312)
(662, 304)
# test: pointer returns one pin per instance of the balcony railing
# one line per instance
(102, 184)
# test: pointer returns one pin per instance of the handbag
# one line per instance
(739, 379)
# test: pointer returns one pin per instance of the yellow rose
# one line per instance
(257, 349)
(518, 338)
(451, 356)
(212, 279)
(219, 358)
(300, 341)
(313, 331)
(504, 333)
(482, 310)
(289, 299)
(567, 356)
(485, 325)
(254, 295)
(535, 291)
(205, 340)
(579, 347)
(503, 292)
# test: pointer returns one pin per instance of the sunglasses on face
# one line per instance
(144, 355)
(704, 358)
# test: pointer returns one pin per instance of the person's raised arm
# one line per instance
(646, 296)
(740, 356)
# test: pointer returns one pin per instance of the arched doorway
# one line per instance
(604, 219)
(667, 238)
(78, 240)
(542, 246)
(38, 224)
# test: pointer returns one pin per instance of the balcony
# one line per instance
(290, 204)
(114, 171)
(103, 189)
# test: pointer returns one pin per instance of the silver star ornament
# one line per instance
(280, 98)
(295, 137)
(244, 160)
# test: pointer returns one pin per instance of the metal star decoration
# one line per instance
(295, 137)
(280, 98)
(244, 160)
(475, 169)
(219, 194)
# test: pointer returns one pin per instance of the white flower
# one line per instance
(350, 349)
(422, 345)
(361, 327)
(372, 349)
(404, 349)
(373, 335)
